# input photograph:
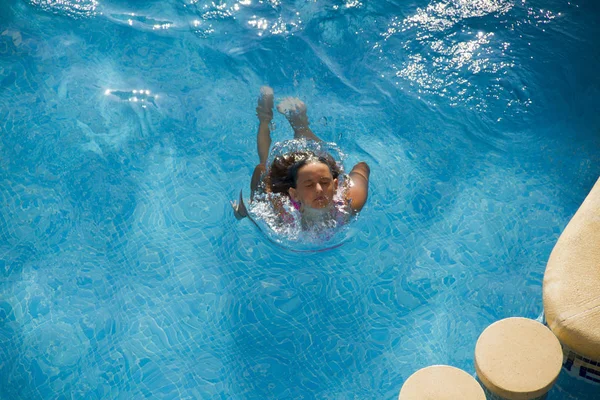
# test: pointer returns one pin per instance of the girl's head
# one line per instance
(308, 179)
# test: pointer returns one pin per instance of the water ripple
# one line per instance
(69, 8)
(124, 273)
(462, 51)
(142, 22)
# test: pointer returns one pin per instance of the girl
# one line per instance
(305, 178)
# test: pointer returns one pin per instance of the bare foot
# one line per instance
(264, 109)
(294, 110)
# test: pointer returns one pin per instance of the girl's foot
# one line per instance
(264, 109)
(294, 110)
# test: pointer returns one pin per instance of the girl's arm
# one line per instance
(359, 190)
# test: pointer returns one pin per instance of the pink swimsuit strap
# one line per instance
(296, 205)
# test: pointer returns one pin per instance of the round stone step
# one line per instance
(518, 359)
(441, 382)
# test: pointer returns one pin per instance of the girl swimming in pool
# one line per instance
(307, 179)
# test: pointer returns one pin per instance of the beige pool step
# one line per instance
(441, 382)
(517, 359)
(571, 289)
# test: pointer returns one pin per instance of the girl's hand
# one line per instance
(239, 209)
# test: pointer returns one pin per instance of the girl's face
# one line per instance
(315, 186)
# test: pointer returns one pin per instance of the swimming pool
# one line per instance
(126, 127)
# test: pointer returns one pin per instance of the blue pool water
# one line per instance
(127, 126)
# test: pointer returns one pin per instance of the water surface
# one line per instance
(126, 127)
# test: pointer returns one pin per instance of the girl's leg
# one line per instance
(264, 112)
(295, 112)
(256, 175)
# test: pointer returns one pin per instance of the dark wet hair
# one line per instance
(283, 173)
